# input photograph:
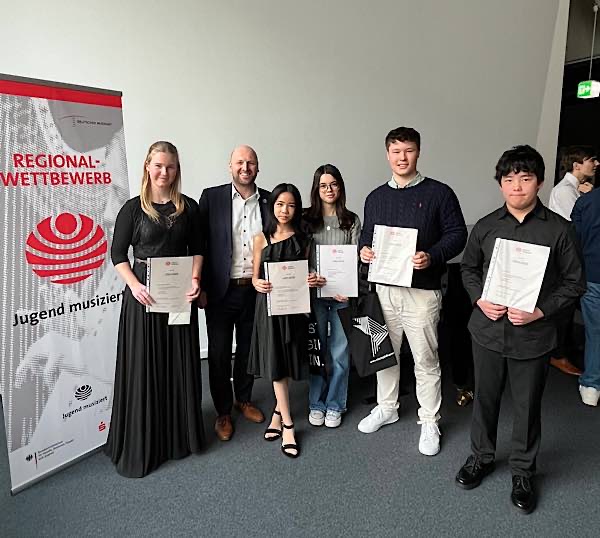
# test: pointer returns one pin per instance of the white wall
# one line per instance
(311, 82)
(308, 82)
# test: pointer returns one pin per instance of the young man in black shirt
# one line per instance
(512, 343)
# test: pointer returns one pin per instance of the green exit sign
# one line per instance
(587, 89)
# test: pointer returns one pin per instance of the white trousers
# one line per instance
(416, 313)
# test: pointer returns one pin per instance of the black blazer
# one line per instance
(215, 219)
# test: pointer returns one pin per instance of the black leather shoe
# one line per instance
(473, 472)
(523, 495)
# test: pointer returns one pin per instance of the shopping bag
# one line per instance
(369, 342)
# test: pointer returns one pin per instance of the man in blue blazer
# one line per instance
(231, 215)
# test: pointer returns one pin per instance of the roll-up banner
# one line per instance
(63, 178)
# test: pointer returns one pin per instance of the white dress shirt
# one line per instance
(564, 195)
(245, 224)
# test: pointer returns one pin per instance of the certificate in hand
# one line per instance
(290, 293)
(394, 248)
(338, 264)
(515, 274)
(168, 280)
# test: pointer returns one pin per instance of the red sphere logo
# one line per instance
(66, 249)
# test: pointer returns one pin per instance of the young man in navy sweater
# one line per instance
(410, 200)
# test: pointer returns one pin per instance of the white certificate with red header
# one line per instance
(168, 280)
(290, 293)
(515, 274)
(338, 264)
(394, 248)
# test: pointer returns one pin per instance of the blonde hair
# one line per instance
(175, 191)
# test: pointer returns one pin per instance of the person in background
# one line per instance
(508, 342)
(580, 162)
(157, 411)
(586, 218)
(279, 348)
(330, 223)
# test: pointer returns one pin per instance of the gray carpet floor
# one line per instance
(344, 484)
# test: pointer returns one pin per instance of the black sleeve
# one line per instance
(123, 234)
(366, 236)
(472, 266)
(571, 283)
(454, 231)
(196, 231)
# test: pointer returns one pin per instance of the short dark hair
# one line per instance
(576, 154)
(403, 134)
(296, 222)
(520, 159)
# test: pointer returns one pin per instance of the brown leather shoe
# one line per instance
(224, 428)
(565, 366)
(250, 411)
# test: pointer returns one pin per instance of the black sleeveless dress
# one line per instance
(279, 346)
(157, 401)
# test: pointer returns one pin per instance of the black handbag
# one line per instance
(369, 342)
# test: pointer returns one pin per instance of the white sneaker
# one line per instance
(378, 417)
(333, 418)
(589, 395)
(316, 417)
(429, 442)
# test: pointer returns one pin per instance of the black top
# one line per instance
(563, 280)
(433, 209)
(181, 236)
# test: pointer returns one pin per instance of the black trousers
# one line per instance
(235, 310)
(527, 380)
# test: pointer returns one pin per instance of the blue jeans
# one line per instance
(590, 308)
(331, 392)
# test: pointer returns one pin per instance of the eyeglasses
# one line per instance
(329, 186)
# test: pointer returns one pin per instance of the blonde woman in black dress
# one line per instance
(156, 413)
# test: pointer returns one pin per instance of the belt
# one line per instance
(240, 282)
(138, 260)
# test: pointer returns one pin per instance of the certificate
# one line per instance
(394, 248)
(168, 280)
(515, 274)
(338, 264)
(289, 294)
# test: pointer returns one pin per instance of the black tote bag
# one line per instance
(369, 342)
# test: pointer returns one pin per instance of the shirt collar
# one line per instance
(236, 194)
(571, 179)
(413, 182)
(539, 211)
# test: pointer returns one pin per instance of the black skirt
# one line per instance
(157, 401)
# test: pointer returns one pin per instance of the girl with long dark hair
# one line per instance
(330, 224)
(279, 345)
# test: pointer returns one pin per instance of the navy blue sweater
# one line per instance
(586, 218)
(432, 208)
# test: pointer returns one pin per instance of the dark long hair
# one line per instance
(314, 214)
(296, 222)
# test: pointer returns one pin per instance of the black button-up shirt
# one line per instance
(563, 280)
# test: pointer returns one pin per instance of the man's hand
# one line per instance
(421, 260)
(366, 254)
(520, 317)
(584, 188)
(491, 310)
(202, 300)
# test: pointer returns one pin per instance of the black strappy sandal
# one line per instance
(273, 433)
(290, 446)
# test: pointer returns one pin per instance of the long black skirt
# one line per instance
(157, 401)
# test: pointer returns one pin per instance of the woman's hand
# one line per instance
(261, 285)
(140, 293)
(314, 280)
(194, 291)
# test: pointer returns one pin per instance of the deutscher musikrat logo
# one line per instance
(66, 249)
(83, 392)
